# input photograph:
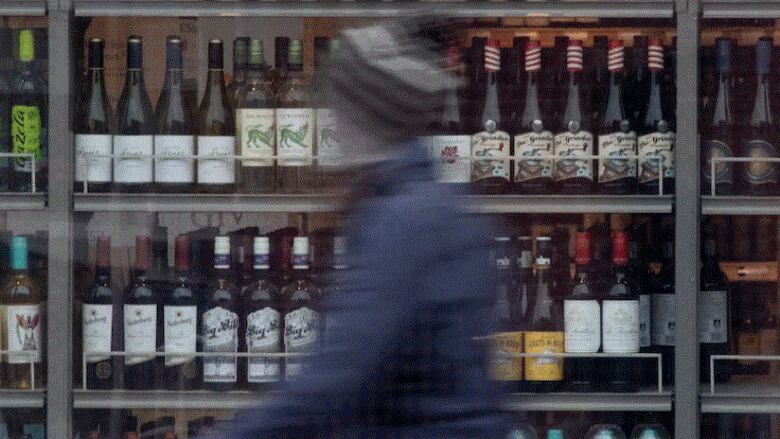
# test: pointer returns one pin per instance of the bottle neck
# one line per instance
(723, 101)
(761, 110)
(174, 78)
(573, 106)
(215, 82)
(531, 110)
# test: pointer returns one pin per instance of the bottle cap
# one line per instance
(554, 433)
(655, 54)
(26, 45)
(182, 253)
(262, 249)
(256, 52)
(173, 55)
(240, 50)
(533, 56)
(221, 252)
(616, 56)
(723, 55)
(300, 253)
(763, 55)
(574, 56)
(142, 248)
(453, 55)
(216, 60)
(493, 56)
(619, 248)
(103, 251)
(135, 52)
(95, 53)
(19, 253)
(296, 53)
(582, 242)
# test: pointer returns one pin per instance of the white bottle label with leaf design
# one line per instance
(329, 149)
(256, 135)
(295, 136)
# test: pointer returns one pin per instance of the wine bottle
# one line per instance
(240, 64)
(140, 322)
(532, 138)
(508, 340)
(639, 274)
(574, 176)
(180, 325)
(29, 119)
(665, 307)
(545, 332)
(637, 90)
(21, 299)
(94, 126)
(582, 320)
(656, 130)
(490, 147)
(331, 164)
(475, 94)
(220, 323)
(295, 127)
(135, 127)
(617, 140)
(98, 320)
(302, 318)
(281, 63)
(6, 83)
(215, 130)
(713, 322)
(718, 133)
(256, 126)
(620, 321)
(173, 127)
(263, 319)
(760, 136)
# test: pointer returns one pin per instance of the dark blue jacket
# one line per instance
(399, 359)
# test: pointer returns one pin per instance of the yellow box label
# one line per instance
(543, 368)
(503, 365)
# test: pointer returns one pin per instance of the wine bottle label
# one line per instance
(664, 319)
(504, 364)
(263, 334)
(654, 149)
(129, 166)
(724, 171)
(329, 148)
(140, 332)
(26, 136)
(174, 170)
(181, 329)
(645, 321)
(759, 172)
(544, 368)
(97, 330)
(295, 136)
(24, 333)
(446, 151)
(301, 328)
(256, 129)
(492, 145)
(88, 167)
(617, 146)
(215, 170)
(533, 144)
(620, 324)
(582, 320)
(220, 330)
(713, 316)
(578, 144)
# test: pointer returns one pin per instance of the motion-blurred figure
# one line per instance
(399, 359)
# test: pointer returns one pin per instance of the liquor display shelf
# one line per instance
(212, 8)
(22, 398)
(648, 400)
(25, 8)
(740, 9)
(568, 204)
(162, 399)
(741, 398)
(740, 205)
(22, 201)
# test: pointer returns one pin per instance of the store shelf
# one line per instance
(741, 9)
(26, 8)
(22, 398)
(567, 204)
(161, 399)
(22, 201)
(457, 8)
(741, 398)
(204, 203)
(645, 401)
(740, 205)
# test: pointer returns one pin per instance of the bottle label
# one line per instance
(533, 144)
(90, 168)
(616, 146)
(174, 170)
(645, 321)
(263, 334)
(215, 170)
(301, 328)
(180, 333)
(582, 320)
(578, 144)
(24, 333)
(544, 368)
(448, 152)
(220, 330)
(140, 332)
(262, 260)
(724, 171)
(294, 136)
(713, 316)
(656, 148)
(664, 319)
(97, 330)
(129, 166)
(504, 365)
(759, 172)
(329, 148)
(26, 136)
(620, 324)
(256, 135)
(490, 145)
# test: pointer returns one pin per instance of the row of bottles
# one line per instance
(165, 312)
(117, 424)
(599, 431)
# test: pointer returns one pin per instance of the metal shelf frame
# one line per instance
(646, 401)
(22, 398)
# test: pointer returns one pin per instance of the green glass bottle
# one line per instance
(240, 59)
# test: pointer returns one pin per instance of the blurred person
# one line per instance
(401, 357)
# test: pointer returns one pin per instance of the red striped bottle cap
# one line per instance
(655, 54)
(493, 56)
(453, 55)
(574, 56)
(616, 58)
(582, 248)
(533, 56)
